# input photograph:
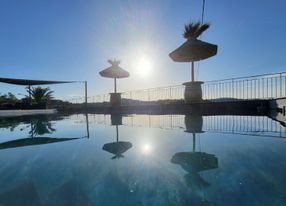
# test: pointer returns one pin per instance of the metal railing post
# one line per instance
(232, 87)
(280, 84)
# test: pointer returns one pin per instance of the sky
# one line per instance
(73, 39)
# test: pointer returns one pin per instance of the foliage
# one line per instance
(40, 95)
(194, 30)
(8, 98)
(41, 127)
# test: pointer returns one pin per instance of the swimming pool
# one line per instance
(142, 160)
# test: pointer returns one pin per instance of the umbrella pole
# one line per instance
(193, 71)
(115, 87)
(194, 142)
(116, 133)
(85, 94)
(87, 124)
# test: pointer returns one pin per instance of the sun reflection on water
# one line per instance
(147, 148)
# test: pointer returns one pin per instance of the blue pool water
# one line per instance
(142, 160)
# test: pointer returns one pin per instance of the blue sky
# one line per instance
(72, 39)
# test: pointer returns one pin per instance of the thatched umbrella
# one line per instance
(115, 72)
(193, 49)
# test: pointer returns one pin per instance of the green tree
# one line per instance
(41, 95)
(8, 98)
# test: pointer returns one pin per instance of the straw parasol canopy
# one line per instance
(114, 71)
(193, 49)
(117, 148)
(193, 163)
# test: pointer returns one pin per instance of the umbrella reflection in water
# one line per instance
(195, 162)
(119, 147)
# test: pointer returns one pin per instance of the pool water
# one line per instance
(142, 160)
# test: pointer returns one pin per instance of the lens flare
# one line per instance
(144, 67)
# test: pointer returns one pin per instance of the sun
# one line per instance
(144, 67)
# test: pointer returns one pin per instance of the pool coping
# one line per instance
(14, 113)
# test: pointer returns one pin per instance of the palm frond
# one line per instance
(190, 30)
(194, 30)
(114, 62)
(40, 94)
(202, 28)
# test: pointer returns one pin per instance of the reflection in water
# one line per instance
(69, 193)
(119, 147)
(245, 125)
(195, 162)
(147, 148)
(22, 194)
(32, 141)
(278, 115)
(39, 125)
(64, 174)
(87, 125)
(42, 123)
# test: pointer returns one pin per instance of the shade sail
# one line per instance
(32, 141)
(193, 50)
(114, 72)
(28, 82)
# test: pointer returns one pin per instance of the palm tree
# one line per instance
(41, 125)
(41, 95)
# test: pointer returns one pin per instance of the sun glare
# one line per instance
(146, 149)
(144, 67)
